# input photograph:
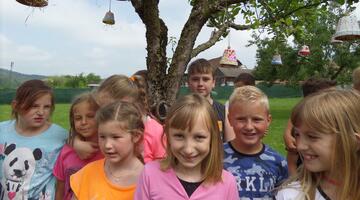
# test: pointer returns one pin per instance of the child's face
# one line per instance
(201, 84)
(84, 120)
(116, 144)
(315, 148)
(38, 115)
(190, 147)
(250, 120)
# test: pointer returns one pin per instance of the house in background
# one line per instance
(226, 74)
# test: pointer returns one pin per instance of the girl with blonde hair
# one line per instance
(327, 127)
(192, 168)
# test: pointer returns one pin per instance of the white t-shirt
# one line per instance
(293, 192)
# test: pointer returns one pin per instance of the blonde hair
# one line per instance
(130, 118)
(249, 93)
(118, 87)
(183, 115)
(84, 97)
(332, 112)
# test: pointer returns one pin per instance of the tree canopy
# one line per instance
(278, 17)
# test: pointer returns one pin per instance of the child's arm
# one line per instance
(289, 140)
(84, 149)
(60, 187)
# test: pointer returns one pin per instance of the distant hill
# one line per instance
(16, 78)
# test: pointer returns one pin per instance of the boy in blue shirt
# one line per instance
(256, 167)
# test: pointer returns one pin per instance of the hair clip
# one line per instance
(132, 78)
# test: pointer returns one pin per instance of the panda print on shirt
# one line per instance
(18, 168)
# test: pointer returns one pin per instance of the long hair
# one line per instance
(84, 97)
(118, 87)
(27, 93)
(332, 112)
(183, 115)
(128, 116)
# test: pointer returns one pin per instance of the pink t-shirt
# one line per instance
(153, 146)
(69, 163)
(156, 184)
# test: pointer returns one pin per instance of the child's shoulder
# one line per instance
(271, 152)
(290, 191)
(6, 123)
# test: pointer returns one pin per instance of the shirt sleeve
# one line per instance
(58, 170)
(142, 187)
(76, 181)
(233, 193)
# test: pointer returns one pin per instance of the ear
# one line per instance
(357, 136)
(136, 136)
(13, 104)
(229, 118)
(269, 119)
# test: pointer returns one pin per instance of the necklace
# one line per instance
(116, 178)
(331, 181)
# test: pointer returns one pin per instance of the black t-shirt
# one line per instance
(190, 187)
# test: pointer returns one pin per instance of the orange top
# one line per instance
(91, 183)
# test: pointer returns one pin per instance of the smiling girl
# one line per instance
(327, 127)
(192, 168)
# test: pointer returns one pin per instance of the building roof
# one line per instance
(231, 72)
(228, 70)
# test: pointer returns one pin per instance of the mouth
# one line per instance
(249, 134)
(309, 157)
(189, 158)
(38, 119)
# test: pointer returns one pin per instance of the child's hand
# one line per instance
(85, 149)
(290, 143)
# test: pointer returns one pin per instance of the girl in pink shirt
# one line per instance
(82, 124)
(193, 167)
(133, 89)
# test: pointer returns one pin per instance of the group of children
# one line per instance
(116, 149)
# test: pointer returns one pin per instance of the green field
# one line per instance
(280, 110)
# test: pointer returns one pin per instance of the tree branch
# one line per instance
(213, 39)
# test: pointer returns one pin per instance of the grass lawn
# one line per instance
(280, 111)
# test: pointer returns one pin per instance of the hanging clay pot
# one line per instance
(109, 18)
(229, 57)
(304, 51)
(347, 29)
(34, 3)
(276, 59)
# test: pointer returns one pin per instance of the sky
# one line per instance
(68, 37)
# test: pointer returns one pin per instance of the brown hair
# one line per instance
(245, 78)
(201, 66)
(313, 85)
(85, 97)
(27, 93)
(182, 115)
(128, 115)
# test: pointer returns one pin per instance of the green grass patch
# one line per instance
(280, 109)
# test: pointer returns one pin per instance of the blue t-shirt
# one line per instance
(257, 174)
(26, 163)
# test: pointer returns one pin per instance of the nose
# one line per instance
(188, 147)
(83, 120)
(107, 144)
(40, 111)
(249, 125)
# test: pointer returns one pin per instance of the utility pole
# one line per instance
(10, 73)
